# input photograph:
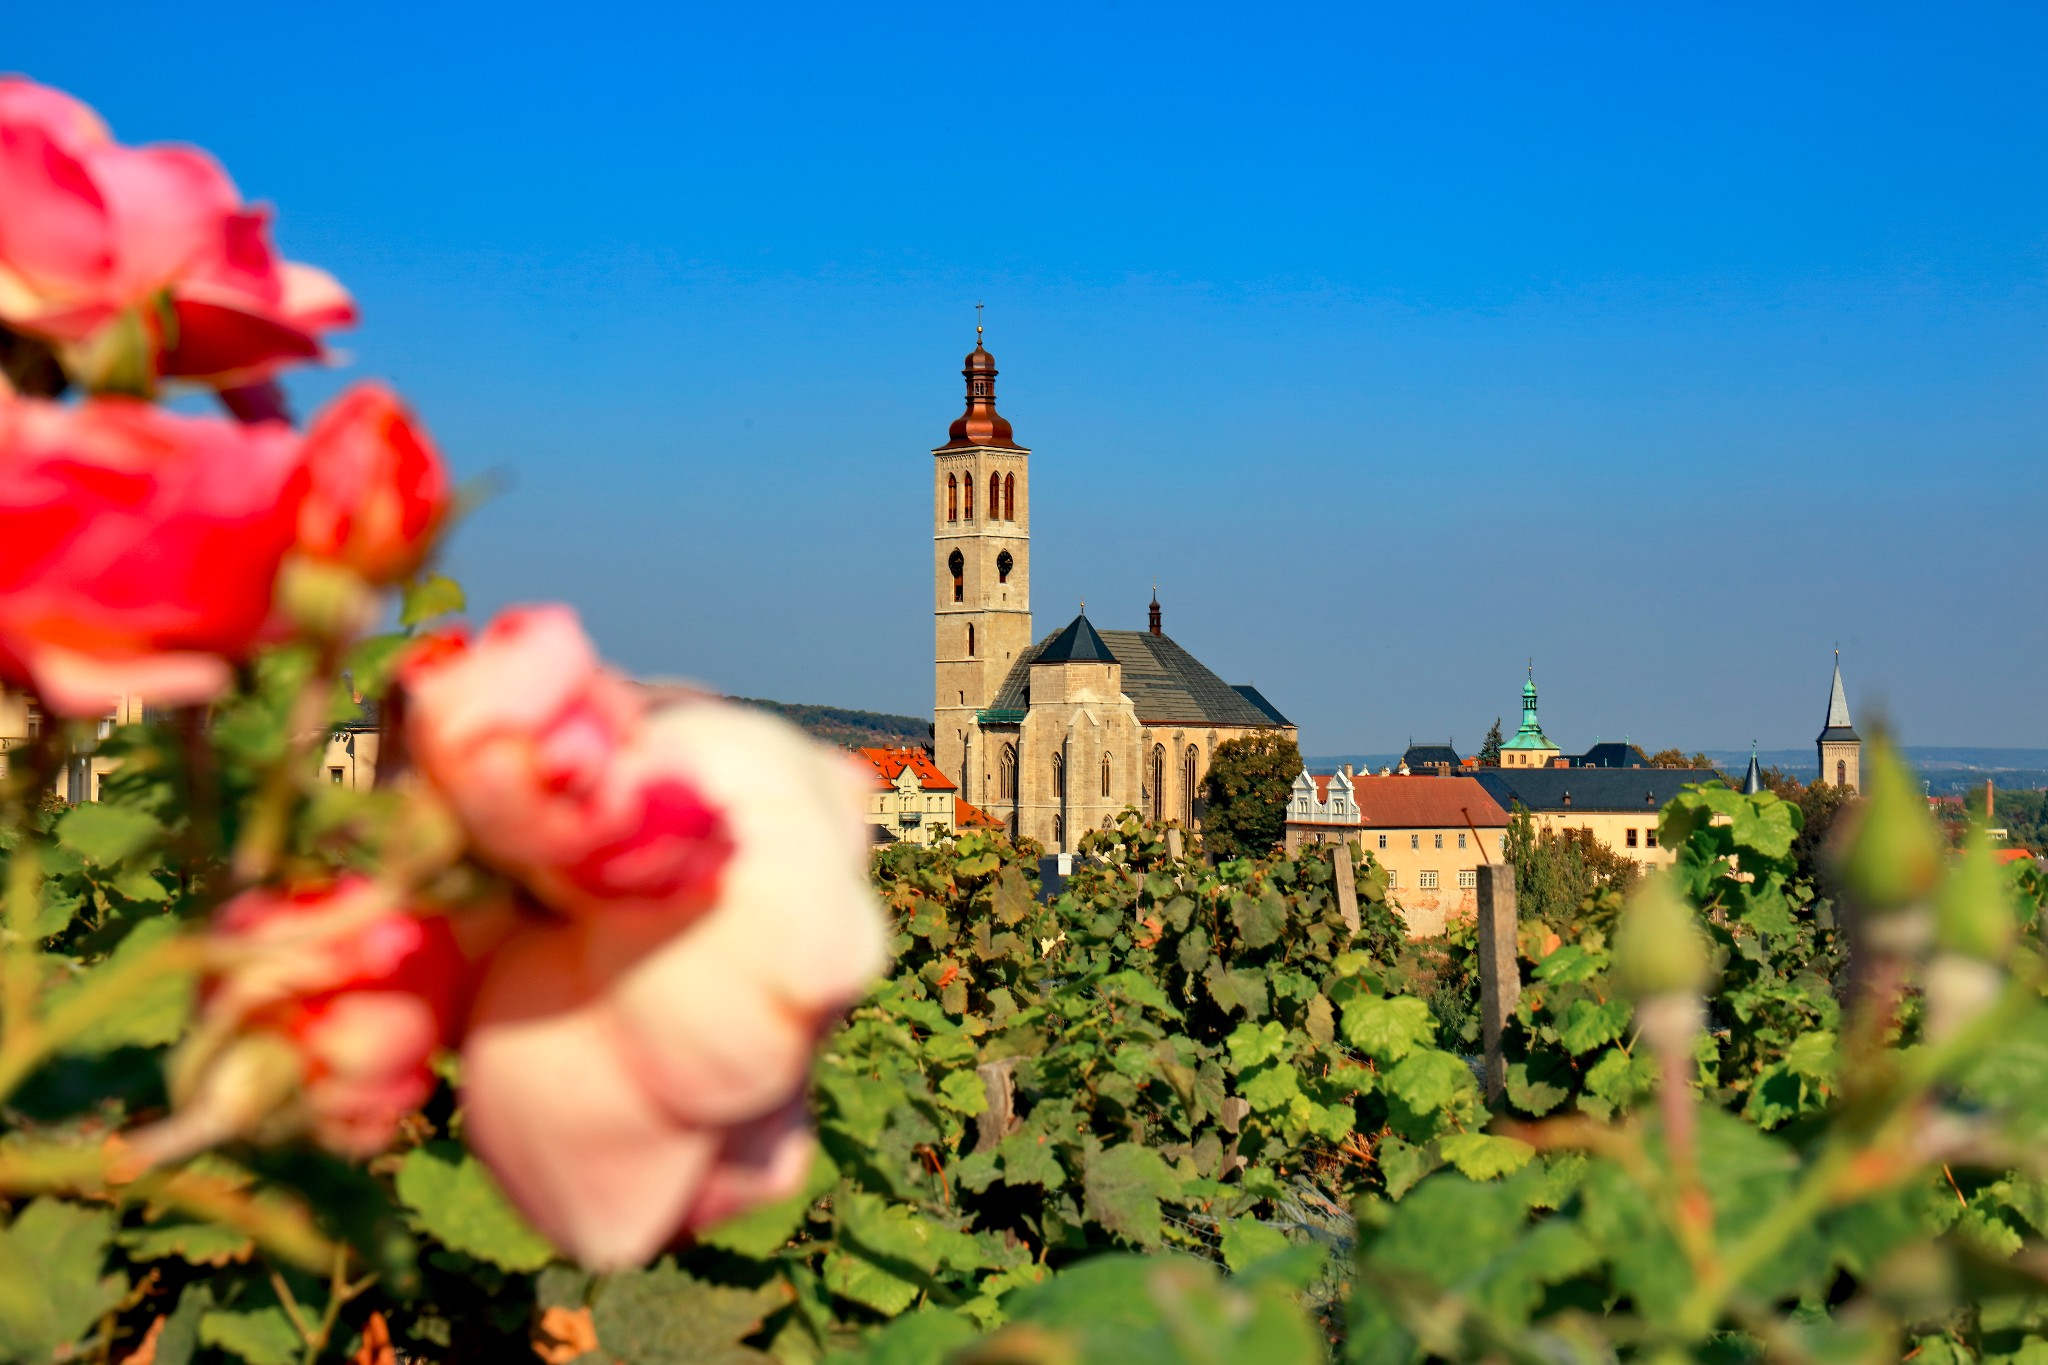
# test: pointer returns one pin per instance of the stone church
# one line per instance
(1056, 736)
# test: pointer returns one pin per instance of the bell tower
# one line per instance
(981, 568)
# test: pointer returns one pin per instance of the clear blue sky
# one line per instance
(1669, 344)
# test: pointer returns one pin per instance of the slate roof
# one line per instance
(1839, 726)
(1258, 699)
(1590, 789)
(1612, 754)
(1077, 644)
(1753, 776)
(1165, 683)
(1420, 756)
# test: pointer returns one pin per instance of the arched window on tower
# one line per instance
(1003, 566)
(1158, 783)
(1841, 773)
(1059, 833)
(1009, 497)
(952, 497)
(1006, 774)
(967, 489)
(957, 562)
(970, 642)
(1059, 777)
(1105, 774)
(995, 497)
(1187, 785)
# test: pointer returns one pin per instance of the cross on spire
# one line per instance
(977, 324)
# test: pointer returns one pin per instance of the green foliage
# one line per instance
(1489, 750)
(1247, 785)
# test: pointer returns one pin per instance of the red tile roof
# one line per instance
(1322, 781)
(890, 763)
(1426, 802)
(967, 815)
(2012, 855)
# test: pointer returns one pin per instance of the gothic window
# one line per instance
(995, 497)
(1841, 773)
(952, 497)
(1105, 774)
(1059, 832)
(1158, 783)
(1003, 566)
(1006, 775)
(1059, 777)
(970, 642)
(1187, 784)
(1009, 497)
(957, 562)
(967, 488)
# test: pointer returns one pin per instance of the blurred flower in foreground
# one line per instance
(322, 1013)
(378, 491)
(142, 261)
(137, 549)
(635, 1067)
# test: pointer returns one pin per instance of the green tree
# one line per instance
(1674, 758)
(1247, 787)
(1489, 752)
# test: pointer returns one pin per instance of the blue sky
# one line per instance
(1670, 345)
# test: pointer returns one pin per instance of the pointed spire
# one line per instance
(1838, 703)
(1154, 613)
(1753, 780)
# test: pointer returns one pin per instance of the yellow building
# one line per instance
(1057, 737)
(1430, 833)
(912, 801)
(1617, 807)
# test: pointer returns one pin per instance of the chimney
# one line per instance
(1990, 802)
(1155, 611)
(1347, 772)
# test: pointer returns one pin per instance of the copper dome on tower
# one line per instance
(981, 424)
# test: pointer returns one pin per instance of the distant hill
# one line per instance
(849, 729)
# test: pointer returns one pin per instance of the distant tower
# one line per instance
(1753, 778)
(1841, 748)
(1529, 747)
(981, 554)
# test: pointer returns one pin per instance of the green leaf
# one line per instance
(1387, 1028)
(1247, 1240)
(1483, 1156)
(1269, 1087)
(261, 1336)
(1251, 1043)
(195, 1243)
(1258, 922)
(454, 1198)
(1587, 1024)
(428, 597)
(962, 1092)
(1123, 1186)
(154, 1012)
(1241, 991)
(765, 1229)
(1429, 1081)
(1029, 1159)
(663, 1315)
(51, 1288)
(104, 834)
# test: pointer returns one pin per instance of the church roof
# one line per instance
(1077, 644)
(1258, 699)
(1165, 683)
(1753, 777)
(1611, 754)
(1420, 756)
(1589, 789)
(1838, 726)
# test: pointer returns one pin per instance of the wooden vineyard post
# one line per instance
(1500, 975)
(1347, 887)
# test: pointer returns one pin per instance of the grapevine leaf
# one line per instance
(454, 1198)
(1482, 1156)
(1252, 1043)
(51, 1288)
(1388, 1028)
(103, 835)
(1123, 1186)
(1429, 1080)
(662, 1315)
(154, 1012)
(1029, 1159)
(762, 1231)
(1258, 922)
(430, 596)
(1587, 1024)
(1246, 1240)
(195, 1243)
(1241, 990)
(261, 1336)
(962, 1092)
(1269, 1087)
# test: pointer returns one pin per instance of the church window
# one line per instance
(1059, 832)
(1187, 782)
(967, 498)
(1158, 783)
(1004, 563)
(957, 562)
(970, 642)
(995, 497)
(1006, 776)
(1009, 497)
(952, 497)
(1059, 776)
(1841, 773)
(1105, 774)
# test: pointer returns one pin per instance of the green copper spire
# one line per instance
(1530, 736)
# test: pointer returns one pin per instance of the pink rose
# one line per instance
(137, 549)
(378, 490)
(630, 1080)
(92, 232)
(533, 744)
(323, 1014)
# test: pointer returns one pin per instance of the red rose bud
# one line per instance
(138, 550)
(323, 1015)
(378, 491)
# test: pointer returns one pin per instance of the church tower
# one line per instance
(981, 574)
(1841, 748)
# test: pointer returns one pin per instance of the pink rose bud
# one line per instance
(378, 491)
(94, 234)
(137, 549)
(631, 1077)
(323, 1016)
(539, 750)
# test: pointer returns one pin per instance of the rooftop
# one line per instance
(1165, 683)
(1590, 789)
(890, 763)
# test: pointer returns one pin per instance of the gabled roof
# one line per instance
(1425, 803)
(1590, 789)
(1323, 782)
(1077, 644)
(890, 763)
(1611, 754)
(1165, 683)
(967, 815)
(1258, 699)
(1421, 756)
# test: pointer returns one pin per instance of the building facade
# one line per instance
(1617, 807)
(911, 802)
(1841, 748)
(1429, 832)
(1529, 747)
(1060, 736)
